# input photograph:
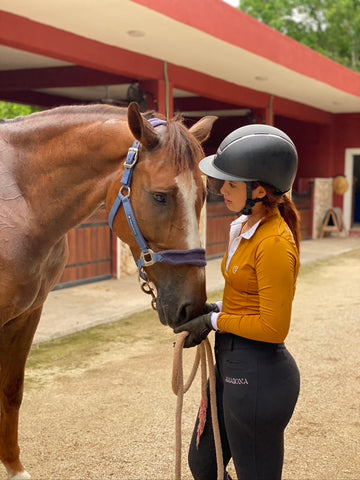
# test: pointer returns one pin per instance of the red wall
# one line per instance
(313, 144)
(346, 134)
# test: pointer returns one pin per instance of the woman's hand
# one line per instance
(211, 307)
(198, 328)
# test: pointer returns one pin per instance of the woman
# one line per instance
(257, 378)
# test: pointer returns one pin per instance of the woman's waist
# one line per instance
(229, 341)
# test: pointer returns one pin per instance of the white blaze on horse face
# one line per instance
(188, 191)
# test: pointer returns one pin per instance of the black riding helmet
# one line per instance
(254, 153)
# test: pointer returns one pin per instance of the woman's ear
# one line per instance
(259, 192)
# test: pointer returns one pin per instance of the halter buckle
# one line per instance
(148, 258)
(132, 157)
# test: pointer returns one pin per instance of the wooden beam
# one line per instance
(215, 88)
(58, 77)
(299, 111)
(37, 99)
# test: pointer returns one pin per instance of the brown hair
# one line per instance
(286, 207)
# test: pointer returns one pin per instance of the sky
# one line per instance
(234, 3)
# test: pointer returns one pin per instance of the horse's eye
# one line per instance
(160, 198)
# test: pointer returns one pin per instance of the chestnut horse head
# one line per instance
(155, 206)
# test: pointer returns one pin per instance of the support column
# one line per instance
(159, 96)
(269, 111)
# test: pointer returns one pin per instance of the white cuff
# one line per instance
(219, 305)
(214, 317)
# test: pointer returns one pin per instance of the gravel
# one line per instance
(108, 411)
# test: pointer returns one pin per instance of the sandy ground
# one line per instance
(99, 405)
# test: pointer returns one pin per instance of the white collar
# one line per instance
(238, 223)
(240, 220)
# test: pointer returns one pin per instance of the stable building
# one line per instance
(193, 58)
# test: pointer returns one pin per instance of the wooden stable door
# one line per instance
(303, 202)
(90, 256)
(219, 218)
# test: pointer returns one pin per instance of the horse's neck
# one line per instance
(66, 173)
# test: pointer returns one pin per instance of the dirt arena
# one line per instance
(99, 405)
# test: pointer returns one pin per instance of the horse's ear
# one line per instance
(202, 129)
(141, 128)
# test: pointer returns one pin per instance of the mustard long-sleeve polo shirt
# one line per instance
(260, 283)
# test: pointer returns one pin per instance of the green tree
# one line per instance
(12, 110)
(331, 27)
(343, 18)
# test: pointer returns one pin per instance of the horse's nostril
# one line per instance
(184, 314)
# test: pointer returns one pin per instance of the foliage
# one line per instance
(331, 27)
(12, 110)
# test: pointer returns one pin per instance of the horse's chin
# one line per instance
(161, 313)
(165, 314)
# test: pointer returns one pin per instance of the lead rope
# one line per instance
(203, 352)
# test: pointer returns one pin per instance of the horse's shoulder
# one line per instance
(27, 264)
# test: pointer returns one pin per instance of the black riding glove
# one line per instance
(211, 307)
(198, 328)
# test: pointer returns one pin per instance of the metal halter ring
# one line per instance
(127, 188)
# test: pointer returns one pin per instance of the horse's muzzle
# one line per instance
(182, 299)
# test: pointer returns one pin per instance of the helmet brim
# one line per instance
(208, 167)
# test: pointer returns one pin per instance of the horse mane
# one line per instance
(184, 149)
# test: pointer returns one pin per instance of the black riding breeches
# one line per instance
(257, 389)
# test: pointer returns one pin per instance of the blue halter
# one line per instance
(147, 258)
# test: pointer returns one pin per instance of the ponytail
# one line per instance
(291, 216)
(287, 210)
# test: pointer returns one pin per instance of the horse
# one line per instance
(57, 167)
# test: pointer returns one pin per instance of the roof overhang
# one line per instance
(202, 47)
